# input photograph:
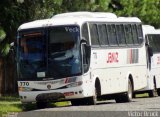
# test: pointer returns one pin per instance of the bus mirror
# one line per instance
(150, 51)
(12, 48)
(86, 47)
(83, 40)
(88, 50)
(12, 44)
(146, 42)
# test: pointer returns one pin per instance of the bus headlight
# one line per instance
(75, 84)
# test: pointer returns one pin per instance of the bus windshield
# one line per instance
(64, 52)
(50, 53)
(31, 50)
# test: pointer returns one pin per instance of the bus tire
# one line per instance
(151, 93)
(158, 92)
(41, 105)
(93, 100)
(126, 97)
(76, 102)
(26, 106)
(134, 95)
(119, 99)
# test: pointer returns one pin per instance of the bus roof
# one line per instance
(148, 29)
(86, 14)
(78, 18)
(158, 31)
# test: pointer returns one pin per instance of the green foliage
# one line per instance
(14, 13)
(147, 10)
(58, 2)
(127, 8)
(2, 34)
(9, 104)
(5, 49)
(103, 5)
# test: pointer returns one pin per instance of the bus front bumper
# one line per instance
(50, 96)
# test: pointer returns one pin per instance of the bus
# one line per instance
(152, 37)
(79, 57)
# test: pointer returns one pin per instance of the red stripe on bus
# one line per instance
(66, 80)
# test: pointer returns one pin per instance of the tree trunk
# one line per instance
(10, 77)
(8, 80)
(1, 76)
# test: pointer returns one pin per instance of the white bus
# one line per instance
(152, 37)
(80, 56)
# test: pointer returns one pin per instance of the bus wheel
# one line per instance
(158, 92)
(151, 93)
(127, 97)
(26, 106)
(134, 95)
(76, 102)
(93, 100)
(41, 105)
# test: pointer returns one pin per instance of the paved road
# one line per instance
(139, 107)
(138, 104)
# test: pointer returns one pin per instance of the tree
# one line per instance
(147, 10)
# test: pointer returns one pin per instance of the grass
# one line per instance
(142, 95)
(13, 104)
(66, 103)
(33, 106)
(9, 104)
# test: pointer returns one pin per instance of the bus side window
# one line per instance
(85, 33)
(120, 34)
(128, 33)
(140, 34)
(135, 35)
(94, 34)
(151, 42)
(112, 34)
(158, 42)
(102, 34)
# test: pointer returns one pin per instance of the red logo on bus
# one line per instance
(112, 57)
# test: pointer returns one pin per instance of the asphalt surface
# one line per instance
(137, 104)
(139, 107)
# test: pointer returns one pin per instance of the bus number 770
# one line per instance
(24, 83)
